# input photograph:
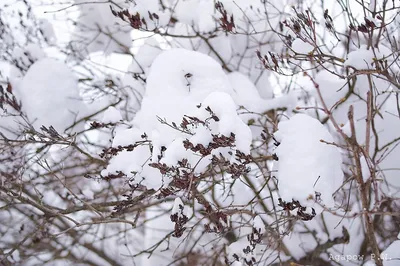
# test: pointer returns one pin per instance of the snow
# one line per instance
(178, 83)
(145, 56)
(123, 162)
(182, 82)
(333, 89)
(264, 87)
(246, 92)
(246, 95)
(25, 57)
(178, 207)
(229, 122)
(47, 30)
(168, 94)
(49, 95)
(171, 94)
(259, 225)
(364, 169)
(98, 30)
(88, 194)
(306, 165)
(237, 249)
(365, 59)
(167, 75)
(203, 136)
(126, 136)
(301, 47)
(328, 226)
(176, 152)
(111, 115)
(202, 18)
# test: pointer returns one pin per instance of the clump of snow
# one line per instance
(185, 83)
(176, 152)
(111, 115)
(246, 95)
(229, 122)
(302, 47)
(180, 82)
(123, 162)
(126, 136)
(178, 207)
(306, 165)
(98, 30)
(365, 59)
(202, 18)
(145, 56)
(168, 72)
(49, 95)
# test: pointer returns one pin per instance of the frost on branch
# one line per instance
(308, 169)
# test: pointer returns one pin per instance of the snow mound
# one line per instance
(306, 165)
(178, 81)
(49, 95)
(223, 106)
(180, 84)
(365, 59)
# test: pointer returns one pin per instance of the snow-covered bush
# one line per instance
(199, 132)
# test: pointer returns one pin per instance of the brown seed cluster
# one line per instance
(180, 219)
(226, 22)
(135, 21)
(301, 211)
